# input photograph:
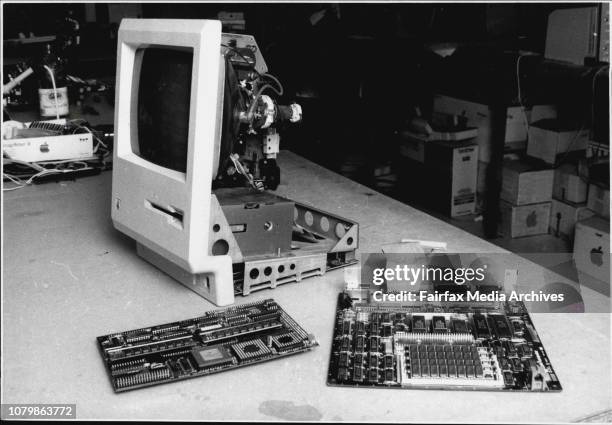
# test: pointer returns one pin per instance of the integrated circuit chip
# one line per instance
(418, 324)
(211, 356)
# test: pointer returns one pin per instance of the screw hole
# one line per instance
(216, 228)
(254, 273)
(268, 271)
(281, 268)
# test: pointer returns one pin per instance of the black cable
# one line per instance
(280, 90)
(233, 49)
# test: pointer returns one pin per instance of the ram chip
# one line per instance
(387, 329)
(358, 374)
(373, 360)
(374, 342)
(344, 360)
(388, 361)
(373, 375)
(360, 343)
(343, 374)
(346, 343)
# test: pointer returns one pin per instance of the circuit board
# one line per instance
(432, 347)
(220, 340)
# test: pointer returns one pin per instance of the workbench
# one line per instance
(69, 277)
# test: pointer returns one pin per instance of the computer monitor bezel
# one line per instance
(167, 211)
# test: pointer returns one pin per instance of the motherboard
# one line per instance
(438, 347)
(217, 341)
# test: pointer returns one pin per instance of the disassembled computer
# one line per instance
(446, 345)
(196, 141)
(218, 341)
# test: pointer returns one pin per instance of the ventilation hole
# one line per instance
(268, 271)
(349, 241)
(309, 218)
(340, 230)
(324, 223)
(281, 268)
(216, 228)
(254, 273)
(220, 247)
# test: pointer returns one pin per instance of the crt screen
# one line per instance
(164, 91)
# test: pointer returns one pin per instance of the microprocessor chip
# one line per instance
(211, 356)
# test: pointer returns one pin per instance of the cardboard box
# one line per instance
(478, 115)
(549, 138)
(592, 248)
(412, 144)
(523, 184)
(442, 176)
(568, 185)
(564, 215)
(452, 171)
(525, 220)
(598, 200)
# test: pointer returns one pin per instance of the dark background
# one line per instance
(360, 71)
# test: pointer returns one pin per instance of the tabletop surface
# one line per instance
(69, 276)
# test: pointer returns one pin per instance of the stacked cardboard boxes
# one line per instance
(549, 139)
(569, 202)
(478, 115)
(525, 199)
